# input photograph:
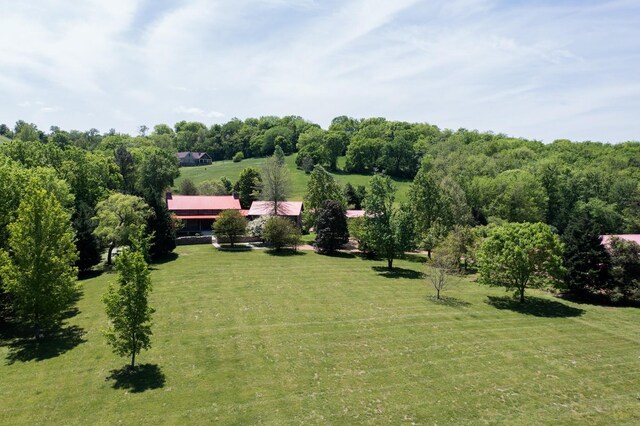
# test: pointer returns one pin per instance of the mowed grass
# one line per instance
(245, 338)
(299, 178)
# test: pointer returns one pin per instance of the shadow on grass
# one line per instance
(228, 247)
(87, 275)
(535, 306)
(285, 252)
(340, 254)
(449, 301)
(165, 258)
(25, 349)
(416, 258)
(137, 379)
(398, 273)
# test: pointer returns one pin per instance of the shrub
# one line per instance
(256, 226)
(238, 157)
(281, 232)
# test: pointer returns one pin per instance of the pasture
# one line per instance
(252, 337)
(299, 178)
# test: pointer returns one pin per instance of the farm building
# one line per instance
(198, 212)
(193, 158)
(635, 238)
(291, 209)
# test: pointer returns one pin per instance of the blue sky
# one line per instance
(536, 69)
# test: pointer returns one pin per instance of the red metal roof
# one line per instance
(285, 208)
(628, 237)
(203, 202)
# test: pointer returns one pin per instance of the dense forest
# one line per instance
(460, 178)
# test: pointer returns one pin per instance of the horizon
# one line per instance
(533, 70)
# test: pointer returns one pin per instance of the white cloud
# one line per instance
(527, 68)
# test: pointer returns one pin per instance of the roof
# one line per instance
(628, 237)
(196, 155)
(285, 208)
(204, 216)
(203, 202)
(355, 213)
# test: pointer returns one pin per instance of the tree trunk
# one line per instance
(133, 359)
(111, 247)
(390, 263)
(437, 294)
(429, 254)
(522, 294)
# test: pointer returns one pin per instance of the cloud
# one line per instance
(532, 69)
(198, 112)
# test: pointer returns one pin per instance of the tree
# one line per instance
(276, 182)
(117, 216)
(249, 186)
(231, 224)
(458, 245)
(331, 227)
(187, 187)
(335, 144)
(388, 233)
(518, 256)
(321, 187)
(425, 198)
(39, 272)
(585, 258)
(438, 273)
(127, 306)
(280, 232)
(625, 270)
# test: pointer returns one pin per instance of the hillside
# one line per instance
(299, 178)
(250, 337)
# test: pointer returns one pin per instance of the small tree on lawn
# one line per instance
(231, 225)
(388, 232)
(127, 306)
(38, 272)
(331, 227)
(519, 256)
(438, 273)
(280, 232)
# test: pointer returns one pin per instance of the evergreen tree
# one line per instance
(331, 227)
(587, 261)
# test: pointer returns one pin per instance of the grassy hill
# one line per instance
(299, 178)
(249, 338)
(4, 139)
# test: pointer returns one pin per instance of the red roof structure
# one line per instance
(628, 237)
(202, 202)
(285, 208)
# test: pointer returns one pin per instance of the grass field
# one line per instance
(299, 178)
(245, 338)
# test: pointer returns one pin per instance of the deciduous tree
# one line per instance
(518, 256)
(127, 306)
(39, 272)
(230, 225)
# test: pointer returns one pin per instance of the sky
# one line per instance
(544, 69)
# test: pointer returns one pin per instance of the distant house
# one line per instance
(290, 209)
(193, 158)
(355, 213)
(198, 212)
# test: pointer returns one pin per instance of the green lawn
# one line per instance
(299, 178)
(249, 338)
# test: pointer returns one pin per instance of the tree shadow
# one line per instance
(383, 271)
(339, 254)
(449, 301)
(164, 258)
(535, 306)
(87, 275)
(285, 252)
(25, 349)
(137, 379)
